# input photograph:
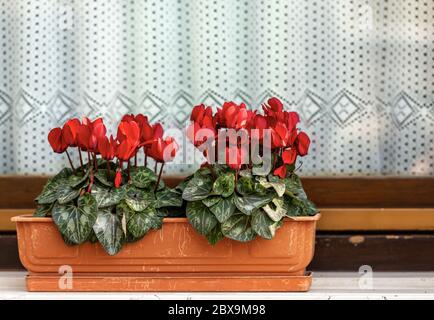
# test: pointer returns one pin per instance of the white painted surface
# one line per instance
(326, 286)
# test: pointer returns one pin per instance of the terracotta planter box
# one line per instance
(174, 258)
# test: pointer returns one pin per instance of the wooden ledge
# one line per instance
(332, 219)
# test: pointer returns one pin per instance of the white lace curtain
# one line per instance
(360, 72)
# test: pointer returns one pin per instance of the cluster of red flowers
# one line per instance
(286, 139)
(134, 132)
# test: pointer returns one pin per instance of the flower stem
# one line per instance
(155, 168)
(81, 158)
(128, 169)
(135, 160)
(70, 161)
(95, 162)
(159, 176)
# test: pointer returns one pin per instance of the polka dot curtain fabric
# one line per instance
(360, 72)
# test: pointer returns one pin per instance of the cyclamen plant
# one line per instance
(236, 194)
(109, 198)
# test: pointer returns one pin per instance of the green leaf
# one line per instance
(43, 210)
(49, 193)
(139, 223)
(293, 206)
(277, 185)
(103, 177)
(220, 169)
(276, 212)
(198, 188)
(200, 217)
(211, 200)
(238, 228)
(224, 185)
(75, 222)
(215, 235)
(106, 197)
(168, 198)
(263, 225)
(223, 209)
(67, 194)
(143, 178)
(245, 185)
(306, 207)
(108, 230)
(294, 187)
(138, 200)
(249, 203)
(79, 179)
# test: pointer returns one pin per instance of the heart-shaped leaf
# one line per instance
(67, 194)
(108, 230)
(215, 235)
(139, 223)
(49, 193)
(211, 200)
(278, 185)
(224, 185)
(168, 198)
(223, 209)
(198, 188)
(294, 187)
(143, 178)
(105, 177)
(106, 197)
(137, 199)
(276, 211)
(249, 203)
(200, 217)
(245, 185)
(79, 179)
(238, 227)
(263, 225)
(75, 221)
(43, 210)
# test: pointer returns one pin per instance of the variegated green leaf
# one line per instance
(249, 203)
(215, 235)
(211, 200)
(50, 191)
(277, 185)
(198, 188)
(75, 221)
(106, 197)
(294, 187)
(108, 230)
(137, 199)
(168, 198)
(224, 185)
(277, 210)
(263, 225)
(43, 210)
(105, 178)
(67, 194)
(245, 185)
(200, 217)
(139, 223)
(223, 209)
(143, 178)
(79, 179)
(238, 227)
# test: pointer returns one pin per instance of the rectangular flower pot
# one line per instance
(174, 258)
